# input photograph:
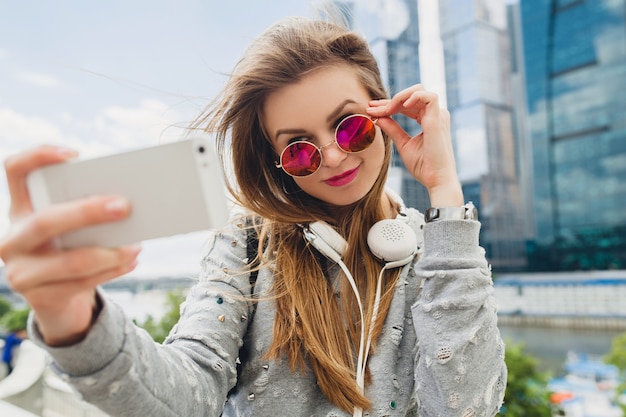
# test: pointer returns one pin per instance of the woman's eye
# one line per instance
(342, 118)
(298, 139)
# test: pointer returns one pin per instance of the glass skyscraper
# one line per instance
(478, 81)
(392, 30)
(476, 60)
(575, 68)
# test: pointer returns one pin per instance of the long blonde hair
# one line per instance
(306, 326)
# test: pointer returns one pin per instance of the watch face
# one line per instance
(431, 214)
(471, 213)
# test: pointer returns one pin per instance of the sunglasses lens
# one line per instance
(355, 133)
(300, 159)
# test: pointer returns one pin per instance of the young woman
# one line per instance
(327, 327)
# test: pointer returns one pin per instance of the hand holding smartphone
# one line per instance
(173, 189)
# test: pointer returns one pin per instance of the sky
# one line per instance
(102, 77)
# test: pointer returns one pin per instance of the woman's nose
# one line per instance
(332, 154)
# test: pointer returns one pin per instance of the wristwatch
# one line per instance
(465, 212)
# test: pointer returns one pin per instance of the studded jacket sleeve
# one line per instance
(121, 370)
(460, 368)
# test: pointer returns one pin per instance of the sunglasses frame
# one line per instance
(279, 164)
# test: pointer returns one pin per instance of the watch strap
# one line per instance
(465, 212)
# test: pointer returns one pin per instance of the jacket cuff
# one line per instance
(101, 345)
(452, 239)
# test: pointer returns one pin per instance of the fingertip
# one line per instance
(117, 206)
(133, 250)
(132, 265)
(378, 103)
(129, 267)
(378, 112)
(20, 164)
(66, 154)
(48, 153)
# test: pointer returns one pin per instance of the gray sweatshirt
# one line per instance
(440, 353)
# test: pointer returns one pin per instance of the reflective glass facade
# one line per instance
(575, 67)
(477, 73)
(397, 53)
(477, 65)
(403, 70)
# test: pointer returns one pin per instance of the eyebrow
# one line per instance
(335, 113)
(331, 117)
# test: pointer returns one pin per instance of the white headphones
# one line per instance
(390, 240)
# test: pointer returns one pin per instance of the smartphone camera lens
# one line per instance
(201, 149)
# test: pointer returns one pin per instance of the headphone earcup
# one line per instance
(326, 240)
(392, 241)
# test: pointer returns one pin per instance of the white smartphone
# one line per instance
(173, 188)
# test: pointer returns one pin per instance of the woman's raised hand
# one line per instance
(59, 285)
(428, 155)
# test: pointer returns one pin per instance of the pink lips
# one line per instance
(343, 179)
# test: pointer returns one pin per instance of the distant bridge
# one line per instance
(593, 299)
(136, 285)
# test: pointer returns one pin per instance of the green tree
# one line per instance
(617, 357)
(15, 320)
(527, 394)
(617, 354)
(5, 306)
(160, 329)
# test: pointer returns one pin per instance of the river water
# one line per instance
(550, 345)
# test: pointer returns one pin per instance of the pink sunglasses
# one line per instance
(354, 134)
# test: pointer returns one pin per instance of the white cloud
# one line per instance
(112, 129)
(38, 80)
(151, 123)
(19, 131)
